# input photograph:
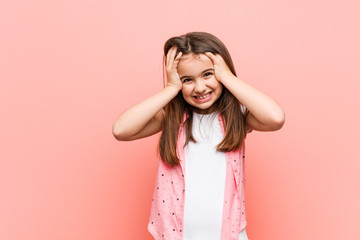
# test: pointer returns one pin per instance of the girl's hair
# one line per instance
(227, 105)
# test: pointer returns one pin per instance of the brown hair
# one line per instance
(227, 105)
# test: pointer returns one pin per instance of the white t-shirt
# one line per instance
(205, 172)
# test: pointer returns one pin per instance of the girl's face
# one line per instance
(200, 88)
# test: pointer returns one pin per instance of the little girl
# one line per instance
(204, 113)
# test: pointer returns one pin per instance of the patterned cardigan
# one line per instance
(167, 209)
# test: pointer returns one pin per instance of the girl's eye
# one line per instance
(186, 80)
(208, 74)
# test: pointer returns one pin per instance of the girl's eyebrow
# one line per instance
(201, 73)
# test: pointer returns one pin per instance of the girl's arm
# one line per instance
(265, 113)
(145, 118)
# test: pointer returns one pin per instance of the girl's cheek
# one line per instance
(186, 86)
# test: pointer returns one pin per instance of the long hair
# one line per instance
(227, 105)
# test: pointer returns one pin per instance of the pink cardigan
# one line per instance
(167, 210)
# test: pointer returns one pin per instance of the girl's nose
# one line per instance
(199, 87)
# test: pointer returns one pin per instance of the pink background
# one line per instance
(69, 68)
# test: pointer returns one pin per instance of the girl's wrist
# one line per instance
(229, 78)
(173, 88)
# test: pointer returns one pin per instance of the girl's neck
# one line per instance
(210, 110)
(204, 113)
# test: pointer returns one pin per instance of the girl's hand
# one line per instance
(222, 70)
(173, 79)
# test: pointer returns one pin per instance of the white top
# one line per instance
(205, 172)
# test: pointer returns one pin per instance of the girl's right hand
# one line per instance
(173, 79)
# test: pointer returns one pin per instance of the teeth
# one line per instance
(203, 96)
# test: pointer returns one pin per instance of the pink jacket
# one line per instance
(167, 210)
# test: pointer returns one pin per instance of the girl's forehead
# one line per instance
(192, 60)
(193, 56)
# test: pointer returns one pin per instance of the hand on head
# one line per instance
(172, 75)
(221, 69)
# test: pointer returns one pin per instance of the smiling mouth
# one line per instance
(203, 96)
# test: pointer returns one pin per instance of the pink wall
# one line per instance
(69, 68)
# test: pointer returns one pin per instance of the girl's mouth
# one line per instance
(203, 98)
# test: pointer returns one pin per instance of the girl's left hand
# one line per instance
(222, 70)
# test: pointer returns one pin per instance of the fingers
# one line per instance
(177, 59)
(211, 56)
(171, 68)
(171, 60)
(217, 59)
(170, 55)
